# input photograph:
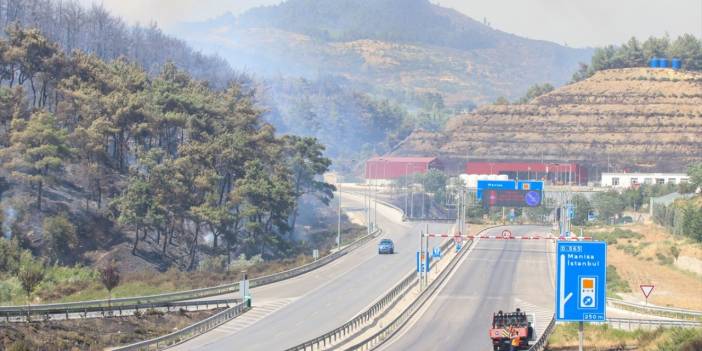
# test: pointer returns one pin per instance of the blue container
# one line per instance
(676, 63)
(655, 62)
(663, 63)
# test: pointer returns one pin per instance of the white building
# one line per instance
(628, 180)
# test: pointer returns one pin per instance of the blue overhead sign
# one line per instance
(527, 185)
(581, 281)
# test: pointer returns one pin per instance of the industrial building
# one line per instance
(387, 169)
(631, 180)
(555, 173)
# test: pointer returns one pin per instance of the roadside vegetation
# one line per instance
(603, 337)
(97, 333)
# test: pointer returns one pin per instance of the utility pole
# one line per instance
(338, 225)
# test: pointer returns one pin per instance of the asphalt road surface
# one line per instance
(296, 310)
(496, 275)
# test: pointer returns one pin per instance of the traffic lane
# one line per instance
(329, 306)
(329, 296)
(492, 278)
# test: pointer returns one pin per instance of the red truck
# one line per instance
(506, 325)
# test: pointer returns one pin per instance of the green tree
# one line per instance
(582, 208)
(689, 49)
(501, 101)
(535, 91)
(134, 206)
(31, 274)
(38, 151)
(305, 157)
(60, 237)
(631, 54)
(656, 47)
(633, 198)
(608, 204)
(695, 173)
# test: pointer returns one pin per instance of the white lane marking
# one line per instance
(258, 312)
(418, 315)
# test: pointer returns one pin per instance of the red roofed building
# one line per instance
(559, 173)
(389, 168)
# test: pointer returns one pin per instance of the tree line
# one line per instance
(93, 30)
(165, 156)
(635, 53)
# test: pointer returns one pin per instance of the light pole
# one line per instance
(338, 225)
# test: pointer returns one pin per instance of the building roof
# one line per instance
(403, 159)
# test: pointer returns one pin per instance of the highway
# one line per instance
(296, 310)
(496, 275)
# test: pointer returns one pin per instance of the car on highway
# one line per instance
(386, 246)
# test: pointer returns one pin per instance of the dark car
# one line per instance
(386, 246)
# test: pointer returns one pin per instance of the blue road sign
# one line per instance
(533, 198)
(535, 185)
(571, 212)
(436, 252)
(581, 281)
(423, 266)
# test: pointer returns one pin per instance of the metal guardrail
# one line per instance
(396, 324)
(188, 332)
(543, 339)
(619, 323)
(118, 303)
(45, 314)
(679, 313)
(368, 316)
(631, 324)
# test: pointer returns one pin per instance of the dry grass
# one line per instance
(94, 334)
(649, 260)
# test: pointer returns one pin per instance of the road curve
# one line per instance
(496, 275)
(296, 310)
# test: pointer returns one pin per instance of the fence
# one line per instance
(116, 304)
(189, 332)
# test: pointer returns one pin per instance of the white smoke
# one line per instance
(9, 217)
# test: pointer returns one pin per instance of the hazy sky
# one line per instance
(575, 22)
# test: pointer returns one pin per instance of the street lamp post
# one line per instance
(338, 225)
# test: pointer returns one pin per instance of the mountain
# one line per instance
(391, 48)
(632, 118)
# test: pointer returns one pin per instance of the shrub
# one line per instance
(215, 264)
(10, 252)
(615, 283)
(60, 237)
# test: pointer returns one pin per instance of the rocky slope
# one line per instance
(634, 118)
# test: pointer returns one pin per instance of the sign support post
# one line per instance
(581, 332)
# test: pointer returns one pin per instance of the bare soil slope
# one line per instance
(636, 117)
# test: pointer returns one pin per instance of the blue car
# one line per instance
(386, 246)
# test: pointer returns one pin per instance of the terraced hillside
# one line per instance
(634, 118)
